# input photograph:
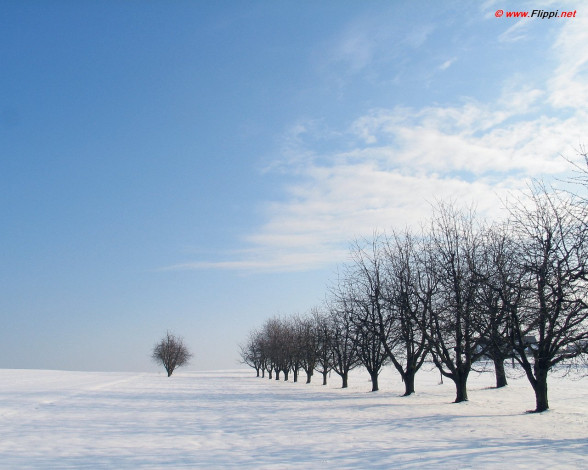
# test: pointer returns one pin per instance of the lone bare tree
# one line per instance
(171, 352)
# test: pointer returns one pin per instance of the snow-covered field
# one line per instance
(230, 419)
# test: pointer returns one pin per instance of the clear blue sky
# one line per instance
(200, 166)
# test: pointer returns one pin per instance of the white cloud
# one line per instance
(568, 88)
(448, 63)
(397, 161)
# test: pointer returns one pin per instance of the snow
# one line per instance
(231, 419)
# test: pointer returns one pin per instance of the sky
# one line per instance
(199, 166)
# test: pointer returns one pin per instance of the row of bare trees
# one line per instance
(314, 342)
(458, 291)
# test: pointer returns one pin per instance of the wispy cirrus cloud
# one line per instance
(516, 32)
(370, 43)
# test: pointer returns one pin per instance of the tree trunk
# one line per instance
(169, 373)
(285, 376)
(344, 379)
(461, 381)
(540, 388)
(500, 373)
(277, 374)
(308, 376)
(374, 378)
(257, 370)
(269, 374)
(295, 375)
(409, 382)
(325, 377)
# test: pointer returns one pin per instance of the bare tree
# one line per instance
(365, 294)
(323, 363)
(343, 341)
(408, 292)
(171, 352)
(253, 353)
(295, 337)
(454, 328)
(309, 346)
(550, 233)
(500, 291)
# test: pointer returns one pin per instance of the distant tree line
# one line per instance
(455, 292)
